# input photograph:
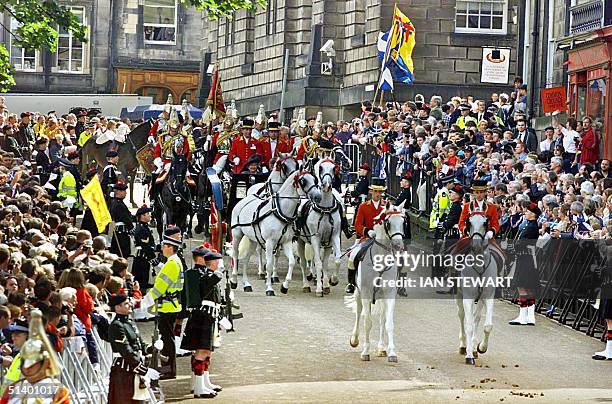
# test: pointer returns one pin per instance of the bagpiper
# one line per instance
(124, 226)
(364, 226)
(204, 302)
(165, 296)
(129, 374)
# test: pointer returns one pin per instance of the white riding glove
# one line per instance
(159, 345)
(152, 374)
(488, 235)
(147, 302)
(236, 161)
(371, 234)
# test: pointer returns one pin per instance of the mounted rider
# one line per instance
(222, 140)
(161, 123)
(364, 227)
(310, 144)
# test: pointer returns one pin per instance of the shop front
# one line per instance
(590, 75)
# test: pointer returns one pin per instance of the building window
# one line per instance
(160, 21)
(271, 8)
(24, 60)
(481, 16)
(70, 50)
(159, 94)
(230, 30)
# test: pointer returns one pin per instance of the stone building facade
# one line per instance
(249, 51)
(148, 47)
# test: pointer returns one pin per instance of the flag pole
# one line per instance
(386, 57)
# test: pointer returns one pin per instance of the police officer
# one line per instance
(145, 248)
(67, 188)
(439, 212)
(128, 353)
(124, 226)
(165, 295)
(360, 193)
(110, 175)
(75, 160)
(203, 300)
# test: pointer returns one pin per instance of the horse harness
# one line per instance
(474, 212)
(323, 212)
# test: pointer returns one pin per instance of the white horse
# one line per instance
(389, 229)
(470, 313)
(321, 231)
(269, 224)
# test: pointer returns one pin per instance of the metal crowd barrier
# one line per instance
(353, 152)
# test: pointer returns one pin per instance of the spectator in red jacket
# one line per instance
(590, 143)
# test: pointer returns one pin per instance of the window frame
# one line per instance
(159, 25)
(485, 31)
(271, 9)
(70, 48)
(14, 24)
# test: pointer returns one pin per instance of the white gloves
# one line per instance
(159, 345)
(147, 302)
(488, 235)
(152, 374)
(236, 161)
(158, 162)
(371, 234)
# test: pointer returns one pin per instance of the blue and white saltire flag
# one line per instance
(386, 80)
(383, 37)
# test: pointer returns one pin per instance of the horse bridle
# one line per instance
(386, 225)
(482, 236)
(336, 168)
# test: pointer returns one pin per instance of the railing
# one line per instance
(587, 17)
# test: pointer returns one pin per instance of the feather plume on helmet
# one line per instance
(261, 118)
(169, 103)
(231, 115)
(38, 348)
(187, 119)
(173, 120)
(318, 126)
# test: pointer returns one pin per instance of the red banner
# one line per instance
(553, 99)
(215, 97)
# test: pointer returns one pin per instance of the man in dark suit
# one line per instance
(527, 136)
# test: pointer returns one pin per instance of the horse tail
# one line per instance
(243, 247)
(308, 252)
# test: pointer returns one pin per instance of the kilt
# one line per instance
(121, 386)
(526, 275)
(199, 331)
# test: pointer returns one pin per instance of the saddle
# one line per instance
(367, 244)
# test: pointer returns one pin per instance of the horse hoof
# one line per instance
(392, 359)
(475, 353)
(262, 277)
(275, 279)
(365, 358)
(462, 351)
(333, 283)
(326, 291)
(470, 361)
(248, 289)
(234, 285)
(270, 293)
(319, 294)
(354, 342)
(480, 350)
(284, 290)
(306, 289)
(309, 277)
(381, 353)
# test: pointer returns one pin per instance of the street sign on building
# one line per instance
(495, 65)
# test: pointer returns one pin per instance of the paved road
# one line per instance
(294, 348)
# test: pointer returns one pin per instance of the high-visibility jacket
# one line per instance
(441, 207)
(83, 138)
(14, 372)
(67, 187)
(462, 120)
(168, 285)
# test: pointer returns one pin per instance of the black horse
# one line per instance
(175, 198)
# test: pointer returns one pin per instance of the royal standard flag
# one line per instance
(94, 198)
(399, 48)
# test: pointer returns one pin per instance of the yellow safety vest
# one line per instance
(463, 120)
(83, 138)
(14, 372)
(168, 286)
(441, 206)
(67, 186)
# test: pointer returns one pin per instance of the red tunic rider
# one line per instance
(244, 147)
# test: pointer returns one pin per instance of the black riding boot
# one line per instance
(344, 224)
(352, 280)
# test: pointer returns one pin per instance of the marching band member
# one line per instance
(244, 146)
(203, 301)
(121, 215)
(128, 355)
(364, 226)
(110, 175)
(165, 295)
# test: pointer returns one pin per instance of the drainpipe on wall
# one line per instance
(534, 56)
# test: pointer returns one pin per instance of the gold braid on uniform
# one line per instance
(192, 145)
(310, 150)
(225, 135)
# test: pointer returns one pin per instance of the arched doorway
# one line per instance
(159, 94)
(189, 95)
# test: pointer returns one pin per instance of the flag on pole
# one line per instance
(400, 42)
(94, 198)
(215, 106)
(386, 81)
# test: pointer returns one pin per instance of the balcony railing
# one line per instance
(587, 16)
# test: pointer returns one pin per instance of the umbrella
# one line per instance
(145, 112)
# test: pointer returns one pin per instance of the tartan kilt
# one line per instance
(121, 386)
(199, 332)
